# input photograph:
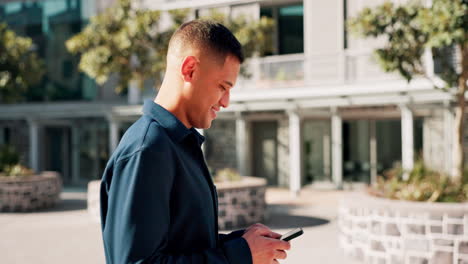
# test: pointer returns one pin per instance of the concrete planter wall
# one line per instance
(380, 230)
(93, 200)
(29, 193)
(240, 203)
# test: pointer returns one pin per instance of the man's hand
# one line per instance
(265, 245)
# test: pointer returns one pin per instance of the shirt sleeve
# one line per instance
(235, 247)
(134, 234)
(234, 234)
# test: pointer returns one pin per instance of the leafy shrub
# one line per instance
(8, 157)
(420, 184)
(227, 175)
(10, 163)
(17, 170)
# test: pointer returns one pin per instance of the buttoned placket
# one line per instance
(209, 180)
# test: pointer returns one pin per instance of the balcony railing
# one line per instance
(299, 70)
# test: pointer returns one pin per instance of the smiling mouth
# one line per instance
(214, 111)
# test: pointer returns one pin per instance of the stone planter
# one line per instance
(379, 230)
(29, 193)
(240, 203)
(93, 200)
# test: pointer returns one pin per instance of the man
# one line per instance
(158, 201)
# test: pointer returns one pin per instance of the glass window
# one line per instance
(356, 151)
(50, 24)
(290, 27)
(7, 135)
(316, 151)
(388, 144)
(266, 11)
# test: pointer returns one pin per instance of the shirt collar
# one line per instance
(176, 129)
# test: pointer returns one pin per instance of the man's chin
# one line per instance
(205, 125)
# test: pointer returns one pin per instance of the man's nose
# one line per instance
(224, 101)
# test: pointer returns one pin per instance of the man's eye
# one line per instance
(222, 88)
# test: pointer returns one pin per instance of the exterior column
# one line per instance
(2, 135)
(75, 152)
(134, 92)
(428, 63)
(65, 152)
(256, 71)
(326, 156)
(309, 38)
(337, 149)
(448, 137)
(34, 131)
(241, 144)
(373, 152)
(95, 150)
(295, 156)
(114, 127)
(340, 39)
(407, 144)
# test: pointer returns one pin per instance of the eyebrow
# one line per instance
(229, 83)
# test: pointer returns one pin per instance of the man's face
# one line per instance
(212, 84)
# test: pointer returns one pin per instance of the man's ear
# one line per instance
(188, 67)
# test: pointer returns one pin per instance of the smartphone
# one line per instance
(292, 234)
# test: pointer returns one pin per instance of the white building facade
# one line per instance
(318, 111)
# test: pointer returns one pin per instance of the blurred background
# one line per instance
(335, 98)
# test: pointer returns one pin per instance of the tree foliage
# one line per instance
(129, 42)
(255, 36)
(405, 40)
(410, 29)
(119, 40)
(20, 66)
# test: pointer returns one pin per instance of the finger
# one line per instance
(277, 244)
(280, 254)
(261, 225)
(264, 231)
(257, 225)
(273, 235)
(282, 245)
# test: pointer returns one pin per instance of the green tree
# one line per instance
(118, 40)
(128, 41)
(20, 66)
(412, 28)
(255, 36)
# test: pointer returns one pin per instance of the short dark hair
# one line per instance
(210, 35)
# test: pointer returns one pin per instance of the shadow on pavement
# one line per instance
(66, 204)
(282, 216)
(283, 221)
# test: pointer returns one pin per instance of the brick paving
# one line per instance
(68, 234)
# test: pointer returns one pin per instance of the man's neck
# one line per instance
(171, 102)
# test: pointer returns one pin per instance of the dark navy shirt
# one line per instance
(158, 201)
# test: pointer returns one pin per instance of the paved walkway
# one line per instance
(67, 234)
